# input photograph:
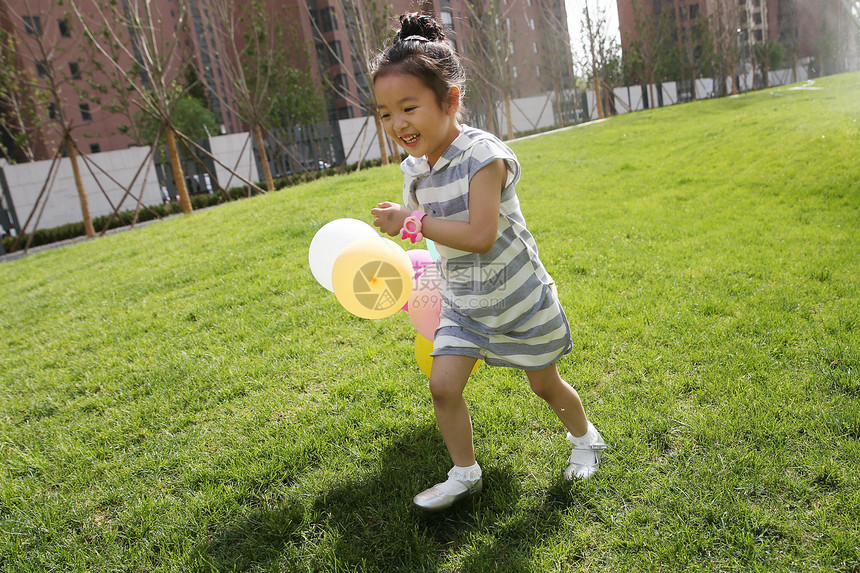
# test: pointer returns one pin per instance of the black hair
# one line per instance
(420, 49)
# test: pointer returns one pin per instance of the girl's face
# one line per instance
(413, 117)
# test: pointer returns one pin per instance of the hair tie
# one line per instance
(416, 37)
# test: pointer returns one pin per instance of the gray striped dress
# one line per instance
(499, 306)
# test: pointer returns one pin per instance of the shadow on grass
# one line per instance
(369, 523)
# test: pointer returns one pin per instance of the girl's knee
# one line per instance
(545, 383)
(543, 387)
(444, 390)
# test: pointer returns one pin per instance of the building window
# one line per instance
(516, 75)
(694, 11)
(52, 111)
(95, 148)
(330, 53)
(537, 71)
(32, 25)
(327, 20)
(85, 112)
(42, 68)
(75, 70)
(532, 23)
(534, 47)
(447, 19)
(341, 84)
(65, 30)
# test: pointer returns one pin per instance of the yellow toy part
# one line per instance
(372, 277)
(423, 348)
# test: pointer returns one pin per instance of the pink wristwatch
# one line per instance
(412, 226)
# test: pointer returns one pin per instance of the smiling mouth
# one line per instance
(410, 139)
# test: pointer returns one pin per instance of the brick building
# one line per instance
(52, 50)
(823, 34)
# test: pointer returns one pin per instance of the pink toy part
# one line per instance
(420, 258)
(412, 226)
(425, 303)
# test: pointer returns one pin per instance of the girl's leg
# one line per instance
(588, 444)
(561, 397)
(447, 380)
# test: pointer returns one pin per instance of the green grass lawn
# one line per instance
(186, 397)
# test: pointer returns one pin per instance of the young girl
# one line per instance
(498, 301)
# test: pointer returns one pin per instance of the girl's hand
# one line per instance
(389, 217)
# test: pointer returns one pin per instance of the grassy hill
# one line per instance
(185, 397)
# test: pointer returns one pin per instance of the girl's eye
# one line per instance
(385, 115)
(409, 108)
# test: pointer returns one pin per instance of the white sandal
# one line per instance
(586, 454)
(462, 483)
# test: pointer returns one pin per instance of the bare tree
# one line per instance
(767, 55)
(489, 49)
(556, 64)
(18, 114)
(788, 31)
(367, 25)
(49, 88)
(651, 52)
(257, 62)
(144, 56)
(599, 56)
(724, 43)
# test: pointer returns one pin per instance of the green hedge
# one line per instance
(125, 218)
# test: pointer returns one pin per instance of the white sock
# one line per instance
(460, 479)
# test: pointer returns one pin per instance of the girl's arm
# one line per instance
(478, 234)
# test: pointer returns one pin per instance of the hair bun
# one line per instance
(416, 24)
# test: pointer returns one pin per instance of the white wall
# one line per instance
(236, 152)
(359, 139)
(531, 113)
(63, 205)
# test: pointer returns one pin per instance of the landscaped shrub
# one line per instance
(125, 218)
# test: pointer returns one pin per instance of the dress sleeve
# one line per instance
(485, 152)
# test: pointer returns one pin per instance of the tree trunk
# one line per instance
(178, 174)
(598, 97)
(693, 84)
(735, 78)
(380, 137)
(393, 152)
(652, 102)
(264, 158)
(510, 117)
(558, 109)
(79, 183)
(766, 70)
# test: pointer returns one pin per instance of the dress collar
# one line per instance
(420, 167)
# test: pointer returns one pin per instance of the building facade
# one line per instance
(52, 52)
(822, 34)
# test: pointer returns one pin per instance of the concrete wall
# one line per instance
(236, 152)
(531, 113)
(359, 139)
(63, 206)
(630, 98)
